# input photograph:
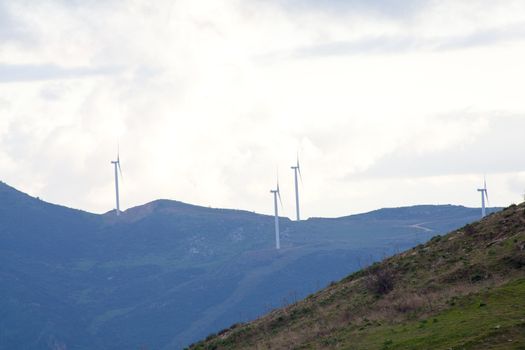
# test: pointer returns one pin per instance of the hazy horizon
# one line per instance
(290, 216)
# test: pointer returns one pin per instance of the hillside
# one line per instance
(464, 290)
(84, 281)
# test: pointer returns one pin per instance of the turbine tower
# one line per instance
(277, 193)
(297, 169)
(484, 194)
(116, 163)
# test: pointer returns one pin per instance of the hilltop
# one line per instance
(464, 290)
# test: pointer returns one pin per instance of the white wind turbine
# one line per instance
(277, 193)
(484, 194)
(116, 163)
(297, 169)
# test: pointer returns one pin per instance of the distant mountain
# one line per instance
(166, 273)
(464, 290)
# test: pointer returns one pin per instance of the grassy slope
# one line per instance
(465, 290)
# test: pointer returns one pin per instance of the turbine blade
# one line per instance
(119, 168)
(278, 190)
(485, 188)
(299, 168)
(277, 179)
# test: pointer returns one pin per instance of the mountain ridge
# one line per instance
(80, 279)
(184, 208)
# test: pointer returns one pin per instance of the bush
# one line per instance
(387, 344)
(436, 238)
(515, 260)
(210, 336)
(479, 276)
(380, 281)
(469, 230)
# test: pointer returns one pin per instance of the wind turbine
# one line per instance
(297, 169)
(484, 194)
(116, 163)
(277, 193)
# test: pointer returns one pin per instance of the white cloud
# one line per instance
(207, 98)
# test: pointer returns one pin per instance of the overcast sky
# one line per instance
(388, 103)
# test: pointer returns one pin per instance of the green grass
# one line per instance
(493, 319)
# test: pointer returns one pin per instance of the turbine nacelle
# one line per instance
(296, 166)
(277, 192)
(484, 190)
(484, 195)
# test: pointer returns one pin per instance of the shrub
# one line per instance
(515, 260)
(478, 276)
(436, 238)
(223, 331)
(210, 336)
(469, 229)
(380, 281)
(387, 344)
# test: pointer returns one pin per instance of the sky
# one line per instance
(387, 103)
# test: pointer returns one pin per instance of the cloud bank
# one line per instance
(388, 103)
